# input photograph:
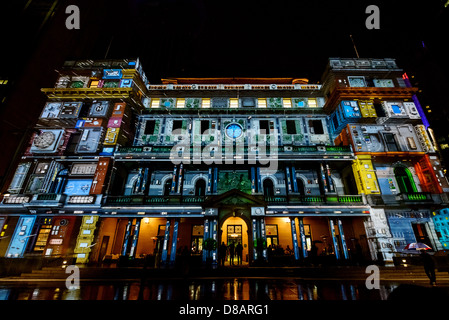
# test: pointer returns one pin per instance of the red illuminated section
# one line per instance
(427, 176)
(98, 184)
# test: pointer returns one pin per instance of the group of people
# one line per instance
(234, 251)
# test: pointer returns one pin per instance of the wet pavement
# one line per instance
(244, 289)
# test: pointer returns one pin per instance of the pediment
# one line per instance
(235, 197)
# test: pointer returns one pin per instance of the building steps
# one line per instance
(334, 273)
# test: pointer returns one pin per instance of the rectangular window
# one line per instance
(149, 126)
(390, 142)
(308, 235)
(316, 127)
(204, 125)
(383, 83)
(248, 102)
(19, 178)
(197, 239)
(177, 124)
(220, 102)
(357, 81)
(401, 82)
(272, 235)
(264, 126)
(291, 126)
(94, 84)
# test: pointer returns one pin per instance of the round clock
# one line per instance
(44, 140)
(234, 131)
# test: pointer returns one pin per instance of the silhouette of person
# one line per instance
(239, 252)
(429, 266)
(222, 252)
(231, 253)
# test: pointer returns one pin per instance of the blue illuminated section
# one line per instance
(22, 234)
(416, 101)
(112, 74)
(421, 112)
(77, 187)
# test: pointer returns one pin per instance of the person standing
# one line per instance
(429, 266)
(239, 252)
(222, 252)
(231, 253)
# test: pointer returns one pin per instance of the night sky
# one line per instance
(234, 37)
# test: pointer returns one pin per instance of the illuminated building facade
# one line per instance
(119, 167)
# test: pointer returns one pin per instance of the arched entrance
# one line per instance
(404, 179)
(234, 230)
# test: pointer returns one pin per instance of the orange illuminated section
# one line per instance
(427, 176)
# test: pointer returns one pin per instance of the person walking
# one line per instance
(429, 266)
(222, 252)
(231, 253)
(239, 252)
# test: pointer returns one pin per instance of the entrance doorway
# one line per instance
(234, 231)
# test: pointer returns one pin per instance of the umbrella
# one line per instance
(417, 246)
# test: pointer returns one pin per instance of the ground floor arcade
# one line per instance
(164, 239)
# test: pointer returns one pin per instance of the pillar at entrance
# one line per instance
(206, 236)
(165, 244)
(259, 239)
(334, 239)
(135, 239)
(302, 235)
(126, 239)
(294, 238)
(210, 232)
(343, 240)
(174, 242)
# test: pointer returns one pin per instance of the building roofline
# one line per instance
(234, 80)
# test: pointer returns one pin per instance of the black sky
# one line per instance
(237, 37)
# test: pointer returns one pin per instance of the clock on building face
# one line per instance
(234, 131)
(44, 140)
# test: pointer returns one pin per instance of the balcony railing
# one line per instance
(415, 197)
(165, 150)
(320, 199)
(47, 200)
(17, 199)
(234, 87)
(144, 200)
(407, 198)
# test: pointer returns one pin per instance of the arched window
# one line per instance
(200, 187)
(404, 179)
(167, 187)
(268, 187)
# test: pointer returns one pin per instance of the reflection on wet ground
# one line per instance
(201, 289)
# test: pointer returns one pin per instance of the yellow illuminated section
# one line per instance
(85, 238)
(155, 103)
(180, 103)
(312, 103)
(262, 102)
(365, 175)
(233, 103)
(287, 102)
(205, 103)
(367, 109)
